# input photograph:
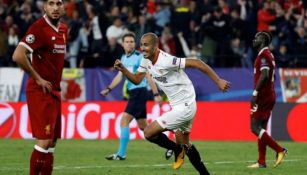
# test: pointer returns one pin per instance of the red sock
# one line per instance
(48, 165)
(261, 151)
(271, 143)
(36, 162)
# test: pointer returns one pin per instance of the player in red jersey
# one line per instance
(45, 45)
(263, 99)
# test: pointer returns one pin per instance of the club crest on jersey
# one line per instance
(30, 38)
(53, 38)
(174, 61)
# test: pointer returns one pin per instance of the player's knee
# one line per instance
(255, 130)
(142, 128)
(45, 144)
(147, 133)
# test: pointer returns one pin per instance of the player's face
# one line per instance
(54, 9)
(128, 44)
(257, 40)
(147, 47)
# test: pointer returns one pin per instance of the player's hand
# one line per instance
(118, 65)
(254, 105)
(105, 92)
(223, 85)
(46, 85)
(158, 99)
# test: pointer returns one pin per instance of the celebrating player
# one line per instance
(45, 45)
(136, 107)
(263, 99)
(167, 72)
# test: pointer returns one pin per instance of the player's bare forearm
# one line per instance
(116, 80)
(200, 65)
(134, 78)
(203, 67)
(151, 84)
(264, 77)
(20, 57)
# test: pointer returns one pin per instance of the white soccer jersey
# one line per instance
(169, 75)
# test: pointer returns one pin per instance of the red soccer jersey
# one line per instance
(265, 60)
(47, 45)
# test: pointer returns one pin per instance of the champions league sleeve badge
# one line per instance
(30, 38)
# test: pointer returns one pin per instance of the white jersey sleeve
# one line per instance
(172, 62)
(143, 65)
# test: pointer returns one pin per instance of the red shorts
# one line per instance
(45, 114)
(264, 111)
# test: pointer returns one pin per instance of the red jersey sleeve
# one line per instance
(33, 38)
(265, 61)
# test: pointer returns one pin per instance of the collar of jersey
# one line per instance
(263, 50)
(50, 24)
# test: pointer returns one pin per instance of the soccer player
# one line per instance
(45, 45)
(167, 72)
(136, 107)
(263, 99)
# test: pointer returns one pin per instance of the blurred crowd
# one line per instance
(220, 32)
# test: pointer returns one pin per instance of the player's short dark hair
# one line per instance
(129, 34)
(267, 37)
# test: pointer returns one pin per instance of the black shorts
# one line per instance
(137, 103)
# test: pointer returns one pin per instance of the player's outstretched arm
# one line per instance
(203, 67)
(20, 57)
(116, 80)
(134, 78)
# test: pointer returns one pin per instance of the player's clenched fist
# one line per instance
(223, 85)
(105, 92)
(118, 65)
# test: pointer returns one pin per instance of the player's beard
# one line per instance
(54, 21)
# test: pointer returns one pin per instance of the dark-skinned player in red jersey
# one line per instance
(41, 54)
(263, 100)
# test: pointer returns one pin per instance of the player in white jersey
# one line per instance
(167, 71)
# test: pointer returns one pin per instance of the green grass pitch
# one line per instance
(143, 158)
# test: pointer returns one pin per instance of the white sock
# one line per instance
(51, 150)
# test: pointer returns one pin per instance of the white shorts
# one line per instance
(179, 118)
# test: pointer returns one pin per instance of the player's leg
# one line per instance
(136, 108)
(266, 139)
(56, 128)
(44, 113)
(123, 139)
(153, 133)
(141, 117)
(38, 156)
(191, 152)
(142, 123)
(124, 134)
(47, 167)
(169, 153)
(256, 126)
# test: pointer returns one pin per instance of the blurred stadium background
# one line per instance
(218, 32)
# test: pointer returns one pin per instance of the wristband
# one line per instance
(109, 89)
(255, 93)
(156, 94)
